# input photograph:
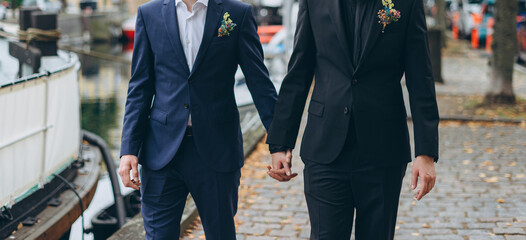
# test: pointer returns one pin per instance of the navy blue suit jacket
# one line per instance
(163, 91)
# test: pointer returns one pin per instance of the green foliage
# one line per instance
(15, 3)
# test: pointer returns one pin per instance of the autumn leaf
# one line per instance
(491, 179)
(487, 163)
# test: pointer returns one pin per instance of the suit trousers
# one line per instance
(164, 194)
(334, 191)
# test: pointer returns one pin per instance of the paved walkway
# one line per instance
(480, 191)
(479, 194)
(466, 72)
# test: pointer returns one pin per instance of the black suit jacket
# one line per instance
(371, 92)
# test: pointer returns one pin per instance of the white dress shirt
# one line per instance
(191, 28)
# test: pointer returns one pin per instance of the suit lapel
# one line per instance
(338, 23)
(170, 21)
(213, 18)
(376, 28)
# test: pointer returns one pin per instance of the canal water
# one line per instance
(103, 86)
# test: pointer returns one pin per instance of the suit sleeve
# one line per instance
(251, 60)
(140, 91)
(420, 84)
(296, 85)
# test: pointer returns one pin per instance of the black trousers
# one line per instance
(335, 190)
(164, 194)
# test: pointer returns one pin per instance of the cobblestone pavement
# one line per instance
(480, 192)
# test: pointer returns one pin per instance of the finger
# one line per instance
(430, 184)
(424, 186)
(269, 167)
(135, 174)
(288, 178)
(276, 164)
(282, 174)
(275, 176)
(414, 179)
(125, 176)
(135, 185)
(286, 167)
(289, 156)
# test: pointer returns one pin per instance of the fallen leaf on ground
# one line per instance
(491, 179)
(487, 163)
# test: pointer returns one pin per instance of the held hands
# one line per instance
(423, 168)
(281, 165)
(130, 162)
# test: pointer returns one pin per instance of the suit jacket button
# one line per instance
(354, 81)
(186, 106)
(346, 110)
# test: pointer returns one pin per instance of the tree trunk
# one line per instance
(441, 19)
(504, 48)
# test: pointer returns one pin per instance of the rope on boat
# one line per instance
(34, 34)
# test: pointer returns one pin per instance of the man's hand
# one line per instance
(423, 167)
(281, 164)
(130, 162)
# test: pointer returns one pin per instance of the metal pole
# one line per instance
(44, 134)
(94, 139)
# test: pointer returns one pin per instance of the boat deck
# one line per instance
(55, 221)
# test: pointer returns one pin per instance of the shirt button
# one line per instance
(186, 106)
(354, 81)
(187, 41)
(346, 110)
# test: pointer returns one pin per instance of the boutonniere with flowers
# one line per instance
(388, 15)
(227, 26)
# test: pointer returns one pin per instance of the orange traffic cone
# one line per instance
(454, 28)
(475, 41)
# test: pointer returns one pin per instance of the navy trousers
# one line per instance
(334, 191)
(164, 193)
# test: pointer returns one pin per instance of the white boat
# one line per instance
(41, 150)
